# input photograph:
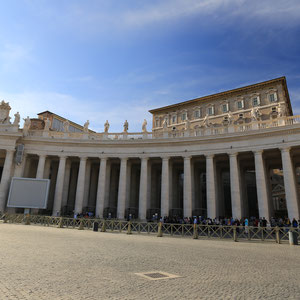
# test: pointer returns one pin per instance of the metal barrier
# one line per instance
(236, 233)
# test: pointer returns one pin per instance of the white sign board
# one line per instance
(28, 193)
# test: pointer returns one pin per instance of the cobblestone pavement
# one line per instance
(50, 263)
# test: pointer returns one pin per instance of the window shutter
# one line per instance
(275, 97)
(212, 110)
(227, 106)
(242, 101)
(258, 100)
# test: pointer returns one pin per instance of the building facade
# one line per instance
(235, 153)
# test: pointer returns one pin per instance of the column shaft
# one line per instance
(261, 186)
(59, 187)
(211, 187)
(187, 188)
(165, 190)
(290, 185)
(80, 186)
(235, 187)
(101, 188)
(66, 183)
(5, 179)
(41, 167)
(143, 189)
(122, 189)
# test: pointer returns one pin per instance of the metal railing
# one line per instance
(235, 233)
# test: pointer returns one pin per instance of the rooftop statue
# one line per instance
(27, 123)
(47, 124)
(125, 126)
(17, 119)
(230, 117)
(255, 114)
(4, 112)
(187, 124)
(86, 126)
(205, 121)
(66, 126)
(144, 126)
(165, 123)
(106, 126)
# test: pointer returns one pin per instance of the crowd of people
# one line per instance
(252, 221)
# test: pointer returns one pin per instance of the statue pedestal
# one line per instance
(255, 126)
(46, 133)
(85, 136)
(230, 128)
(281, 121)
(125, 135)
(145, 135)
(105, 136)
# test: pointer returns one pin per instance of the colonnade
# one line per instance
(63, 179)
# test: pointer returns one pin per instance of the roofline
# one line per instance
(225, 93)
(71, 122)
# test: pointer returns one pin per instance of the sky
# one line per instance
(116, 59)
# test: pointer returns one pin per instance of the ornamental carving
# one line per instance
(4, 112)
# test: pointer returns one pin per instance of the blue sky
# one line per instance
(116, 59)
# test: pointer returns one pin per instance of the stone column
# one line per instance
(5, 179)
(101, 188)
(41, 167)
(235, 186)
(66, 183)
(87, 183)
(261, 186)
(143, 195)
(187, 188)
(290, 185)
(80, 186)
(211, 187)
(165, 184)
(59, 186)
(122, 189)
(19, 169)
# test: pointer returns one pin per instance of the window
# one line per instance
(273, 97)
(183, 117)
(240, 104)
(225, 108)
(197, 114)
(274, 109)
(255, 101)
(173, 119)
(157, 123)
(241, 115)
(210, 111)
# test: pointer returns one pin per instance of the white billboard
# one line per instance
(28, 193)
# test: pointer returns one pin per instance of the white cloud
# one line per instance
(90, 17)
(32, 103)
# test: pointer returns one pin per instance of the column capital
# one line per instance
(165, 158)
(11, 151)
(145, 158)
(285, 149)
(103, 158)
(83, 158)
(233, 154)
(61, 157)
(209, 156)
(258, 152)
(123, 158)
(187, 157)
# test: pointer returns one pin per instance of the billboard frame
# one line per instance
(29, 179)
